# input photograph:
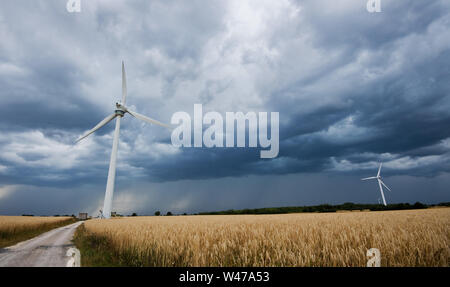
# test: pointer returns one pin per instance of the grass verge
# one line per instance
(96, 251)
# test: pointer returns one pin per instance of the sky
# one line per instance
(352, 89)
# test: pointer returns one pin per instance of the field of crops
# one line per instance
(14, 229)
(404, 238)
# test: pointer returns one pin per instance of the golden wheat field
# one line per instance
(404, 238)
(16, 228)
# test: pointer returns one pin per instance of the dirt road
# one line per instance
(48, 249)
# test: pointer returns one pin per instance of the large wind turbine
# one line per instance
(120, 111)
(380, 183)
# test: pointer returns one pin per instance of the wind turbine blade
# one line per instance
(124, 85)
(385, 185)
(382, 194)
(372, 177)
(148, 120)
(379, 170)
(99, 125)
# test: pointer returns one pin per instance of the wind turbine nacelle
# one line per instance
(121, 110)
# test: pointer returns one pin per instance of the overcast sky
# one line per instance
(352, 89)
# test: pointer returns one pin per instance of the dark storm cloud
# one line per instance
(352, 89)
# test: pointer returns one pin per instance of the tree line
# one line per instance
(348, 206)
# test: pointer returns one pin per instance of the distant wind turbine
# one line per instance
(380, 183)
(120, 111)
